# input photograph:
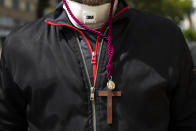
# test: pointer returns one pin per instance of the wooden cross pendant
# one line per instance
(109, 93)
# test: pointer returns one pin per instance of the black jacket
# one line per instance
(44, 84)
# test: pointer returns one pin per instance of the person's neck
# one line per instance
(92, 16)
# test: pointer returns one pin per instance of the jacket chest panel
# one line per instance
(144, 96)
(54, 87)
(53, 74)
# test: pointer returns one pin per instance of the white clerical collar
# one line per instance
(92, 16)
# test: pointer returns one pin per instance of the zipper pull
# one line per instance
(94, 58)
(92, 95)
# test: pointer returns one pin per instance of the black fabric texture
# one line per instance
(44, 86)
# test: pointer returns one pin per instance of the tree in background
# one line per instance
(189, 9)
(175, 10)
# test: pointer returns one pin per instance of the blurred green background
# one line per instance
(17, 12)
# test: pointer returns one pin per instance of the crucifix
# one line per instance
(109, 93)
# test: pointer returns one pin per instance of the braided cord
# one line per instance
(109, 66)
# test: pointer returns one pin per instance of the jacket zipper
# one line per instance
(92, 88)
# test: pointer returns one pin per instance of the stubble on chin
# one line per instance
(92, 2)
